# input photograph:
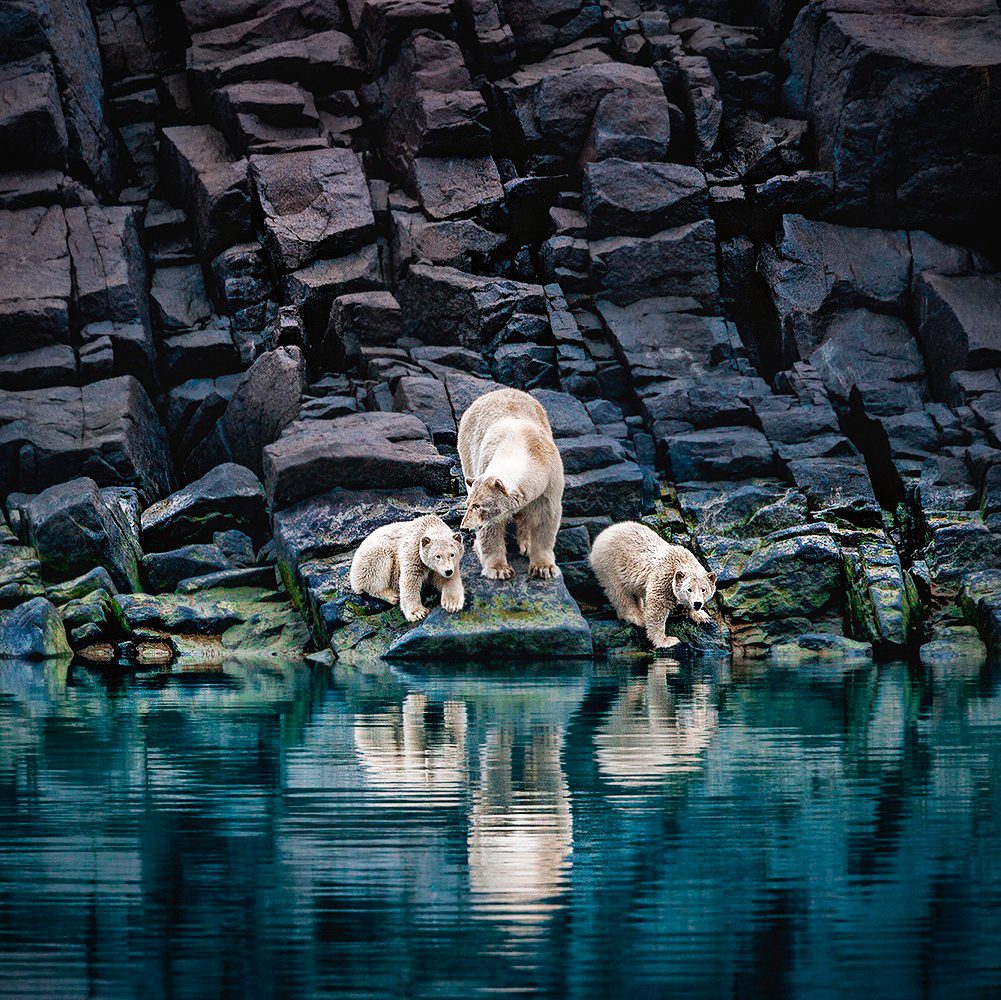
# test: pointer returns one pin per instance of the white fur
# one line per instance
(396, 560)
(646, 578)
(513, 470)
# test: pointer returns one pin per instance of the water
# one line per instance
(295, 832)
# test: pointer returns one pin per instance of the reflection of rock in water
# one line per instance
(653, 732)
(419, 745)
(521, 829)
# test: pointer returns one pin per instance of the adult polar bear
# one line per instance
(513, 469)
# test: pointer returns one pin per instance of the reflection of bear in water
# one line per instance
(415, 746)
(653, 731)
(521, 830)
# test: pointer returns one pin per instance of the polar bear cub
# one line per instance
(646, 578)
(396, 560)
(513, 470)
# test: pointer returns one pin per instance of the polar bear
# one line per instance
(645, 578)
(512, 470)
(396, 560)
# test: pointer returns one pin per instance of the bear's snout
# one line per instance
(447, 572)
(697, 605)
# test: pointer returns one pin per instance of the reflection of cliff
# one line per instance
(651, 732)
(413, 746)
(521, 829)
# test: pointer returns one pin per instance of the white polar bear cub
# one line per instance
(646, 578)
(396, 560)
(513, 470)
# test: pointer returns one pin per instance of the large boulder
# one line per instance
(32, 127)
(266, 400)
(315, 204)
(74, 528)
(33, 631)
(107, 430)
(501, 620)
(817, 271)
(354, 451)
(229, 496)
(908, 151)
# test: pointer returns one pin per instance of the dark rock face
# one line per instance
(73, 527)
(230, 496)
(257, 257)
(33, 631)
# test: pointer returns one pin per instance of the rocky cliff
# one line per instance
(257, 256)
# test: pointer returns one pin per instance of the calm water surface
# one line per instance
(604, 832)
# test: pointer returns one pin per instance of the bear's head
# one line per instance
(693, 591)
(441, 551)
(489, 500)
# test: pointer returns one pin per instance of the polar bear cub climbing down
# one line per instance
(513, 470)
(396, 560)
(646, 578)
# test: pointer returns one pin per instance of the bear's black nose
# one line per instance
(697, 605)
(447, 572)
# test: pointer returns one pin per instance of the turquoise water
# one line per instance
(296, 832)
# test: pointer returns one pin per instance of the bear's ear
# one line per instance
(679, 577)
(712, 579)
(469, 482)
(496, 483)
(425, 541)
(457, 537)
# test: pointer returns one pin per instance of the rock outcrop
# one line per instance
(256, 259)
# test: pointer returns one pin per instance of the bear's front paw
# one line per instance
(452, 602)
(666, 642)
(499, 571)
(544, 571)
(418, 614)
(699, 617)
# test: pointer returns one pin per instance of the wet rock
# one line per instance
(882, 602)
(521, 617)
(748, 510)
(94, 618)
(73, 528)
(229, 496)
(837, 488)
(20, 575)
(163, 571)
(392, 449)
(822, 646)
(955, 644)
(80, 587)
(315, 204)
(33, 631)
